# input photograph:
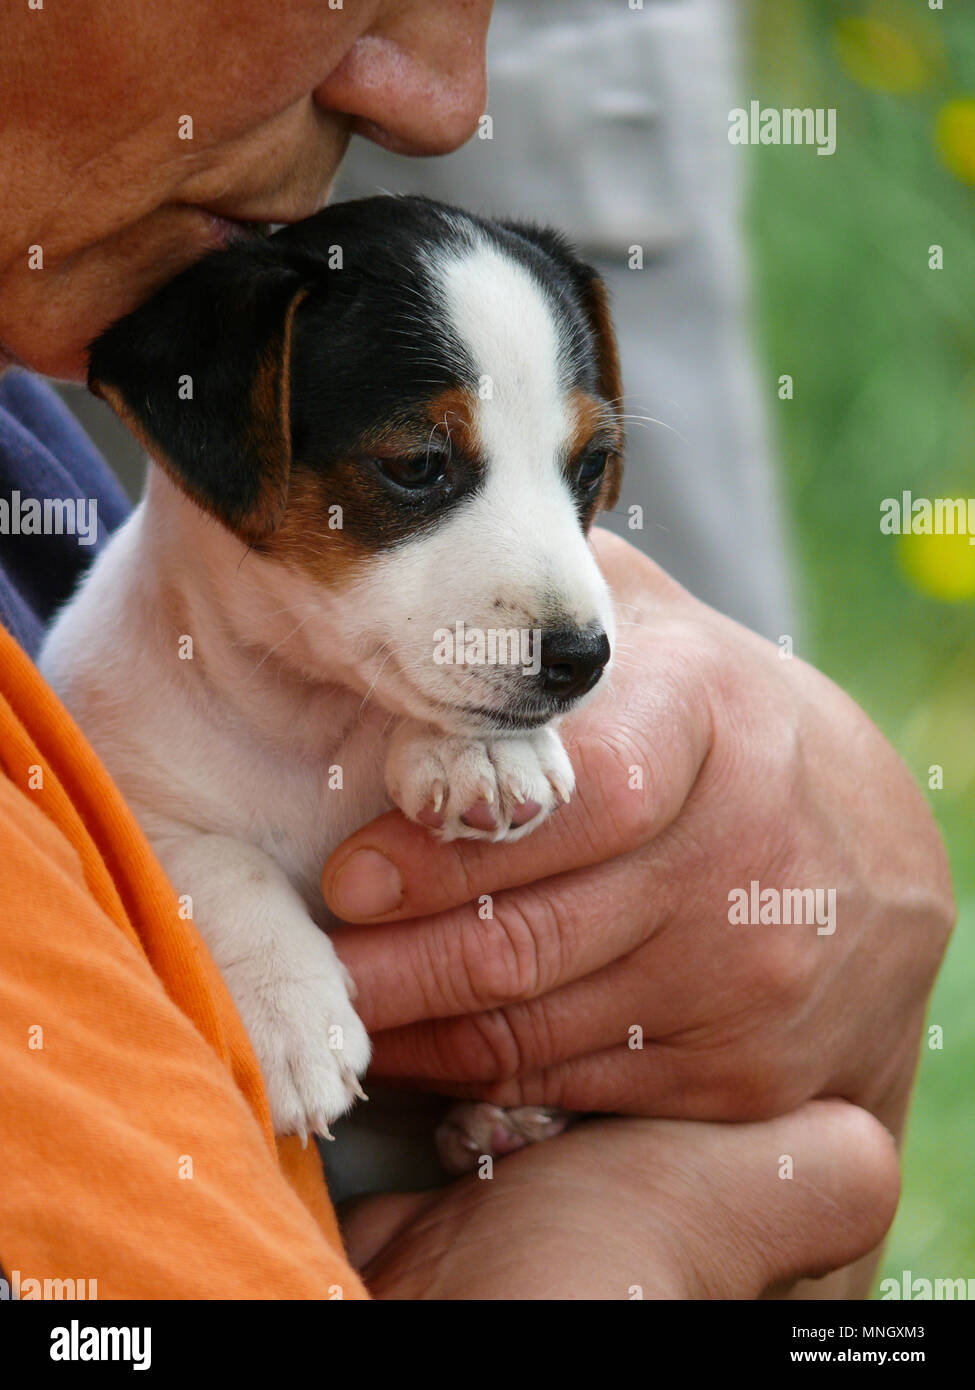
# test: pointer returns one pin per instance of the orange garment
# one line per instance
(136, 1146)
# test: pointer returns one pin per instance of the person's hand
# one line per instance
(622, 1209)
(614, 915)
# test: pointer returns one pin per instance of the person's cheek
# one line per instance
(95, 261)
(158, 128)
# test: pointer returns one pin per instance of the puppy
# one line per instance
(359, 576)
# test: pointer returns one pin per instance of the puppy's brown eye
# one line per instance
(413, 471)
(591, 470)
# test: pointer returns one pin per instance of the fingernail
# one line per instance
(367, 885)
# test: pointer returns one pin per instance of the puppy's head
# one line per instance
(410, 416)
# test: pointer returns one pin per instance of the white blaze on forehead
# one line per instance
(508, 325)
(517, 541)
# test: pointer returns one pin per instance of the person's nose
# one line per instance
(415, 81)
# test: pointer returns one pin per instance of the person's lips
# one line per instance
(220, 231)
(226, 220)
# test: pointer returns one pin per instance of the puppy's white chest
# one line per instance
(298, 809)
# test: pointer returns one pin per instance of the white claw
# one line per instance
(559, 788)
(499, 775)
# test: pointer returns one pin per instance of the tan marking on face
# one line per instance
(307, 538)
(591, 415)
(454, 414)
(610, 377)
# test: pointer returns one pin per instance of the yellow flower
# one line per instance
(881, 57)
(943, 567)
(955, 137)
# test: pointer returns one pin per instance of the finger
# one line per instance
(733, 1211)
(791, 1198)
(661, 1079)
(637, 754)
(532, 941)
(655, 1081)
(602, 1011)
(668, 1055)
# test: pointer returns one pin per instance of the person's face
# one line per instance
(98, 97)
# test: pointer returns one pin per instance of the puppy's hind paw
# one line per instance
(477, 1130)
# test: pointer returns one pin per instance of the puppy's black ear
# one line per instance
(200, 374)
(590, 290)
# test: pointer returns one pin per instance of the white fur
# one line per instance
(226, 758)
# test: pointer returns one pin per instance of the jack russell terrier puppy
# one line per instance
(375, 433)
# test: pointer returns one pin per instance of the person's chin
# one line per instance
(49, 316)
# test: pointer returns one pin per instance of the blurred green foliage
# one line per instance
(882, 352)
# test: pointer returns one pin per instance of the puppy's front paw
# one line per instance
(474, 789)
(311, 1045)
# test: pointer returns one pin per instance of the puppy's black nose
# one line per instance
(572, 662)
